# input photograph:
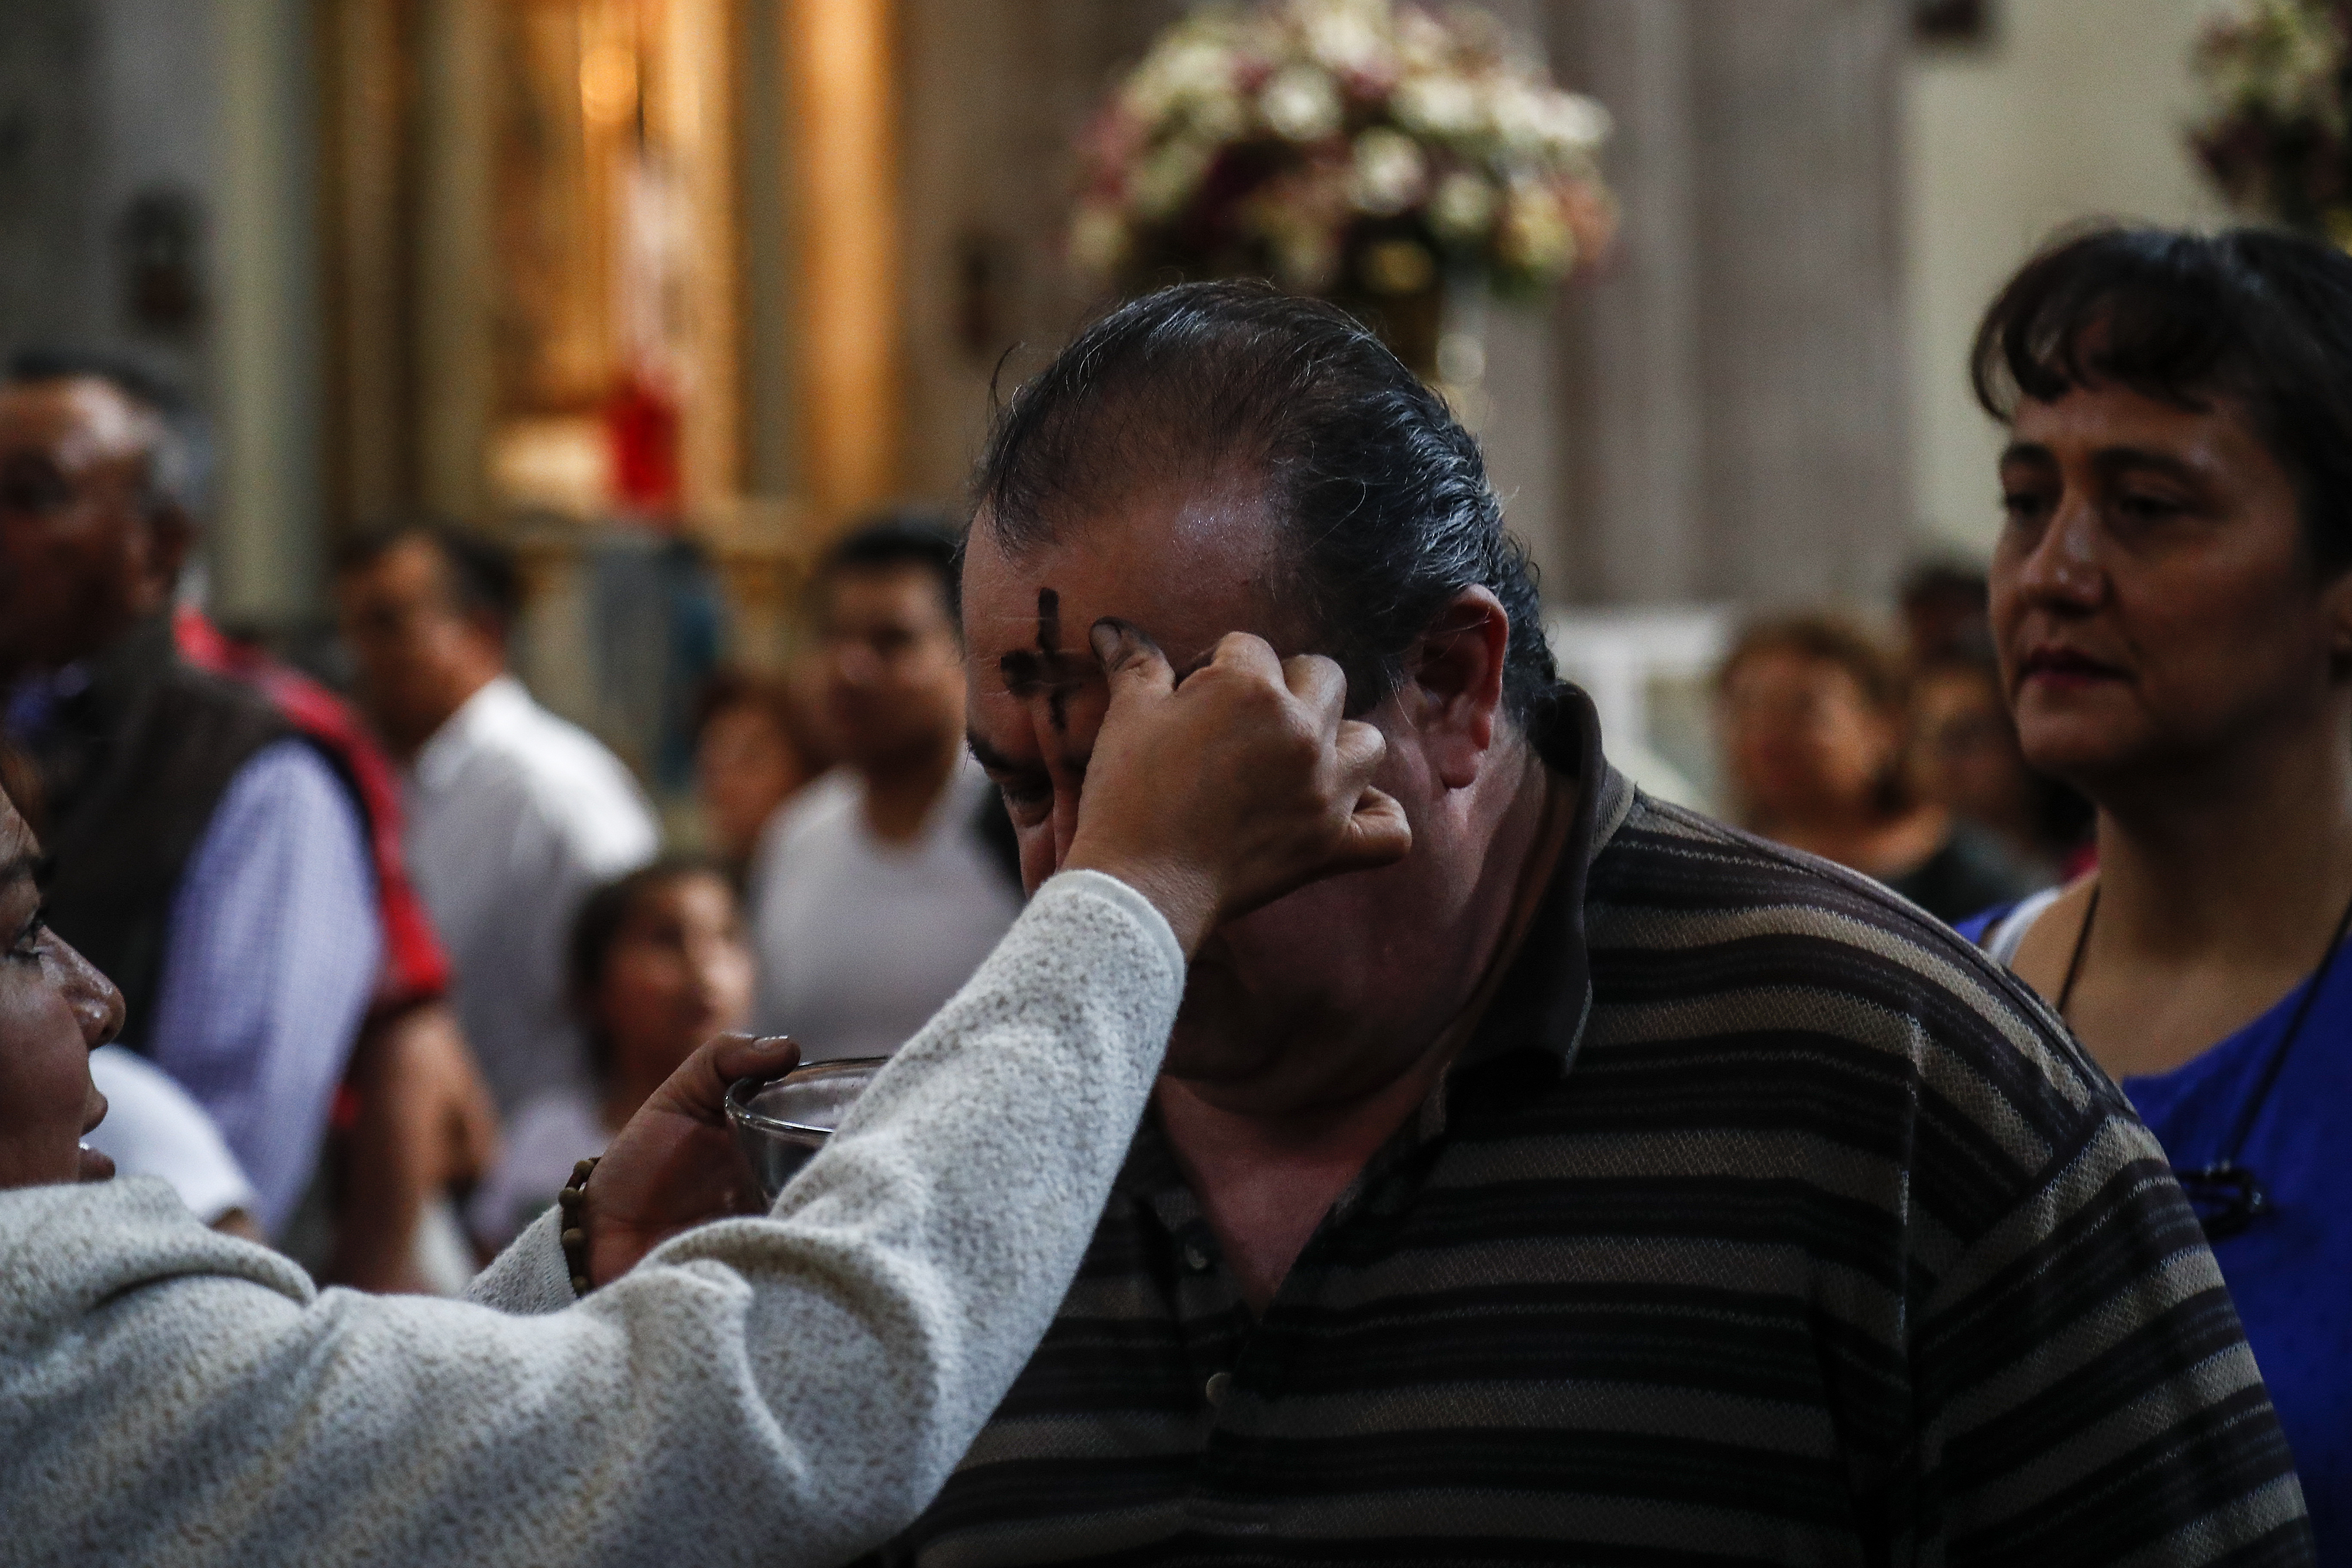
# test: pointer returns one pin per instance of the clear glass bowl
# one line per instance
(782, 1124)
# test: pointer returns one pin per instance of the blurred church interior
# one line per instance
(669, 291)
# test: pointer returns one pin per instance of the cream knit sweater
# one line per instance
(778, 1391)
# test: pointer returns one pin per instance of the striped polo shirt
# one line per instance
(1761, 1221)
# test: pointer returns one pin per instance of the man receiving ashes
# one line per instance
(1596, 1183)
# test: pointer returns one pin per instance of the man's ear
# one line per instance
(1455, 672)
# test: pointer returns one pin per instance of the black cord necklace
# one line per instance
(2226, 1195)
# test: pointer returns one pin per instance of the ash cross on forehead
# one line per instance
(1049, 670)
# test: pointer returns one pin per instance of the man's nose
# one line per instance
(96, 1005)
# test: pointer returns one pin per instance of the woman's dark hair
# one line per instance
(597, 928)
(1381, 494)
(20, 780)
(2260, 318)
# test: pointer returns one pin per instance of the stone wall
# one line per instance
(107, 177)
(53, 268)
(1733, 422)
(994, 99)
(1722, 417)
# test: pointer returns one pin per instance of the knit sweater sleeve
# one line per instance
(785, 1389)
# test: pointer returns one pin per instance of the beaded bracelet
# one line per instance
(575, 1226)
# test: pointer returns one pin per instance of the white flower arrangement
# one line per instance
(2277, 134)
(1343, 147)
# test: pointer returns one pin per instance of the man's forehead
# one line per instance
(1186, 566)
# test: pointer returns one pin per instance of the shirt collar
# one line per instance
(1546, 994)
(488, 711)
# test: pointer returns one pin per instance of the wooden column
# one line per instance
(264, 546)
(842, 56)
(369, 192)
(698, 127)
(456, 312)
(1735, 428)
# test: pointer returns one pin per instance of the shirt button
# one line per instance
(1220, 1384)
(1196, 1259)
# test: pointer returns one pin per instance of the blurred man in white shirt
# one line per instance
(513, 813)
(878, 890)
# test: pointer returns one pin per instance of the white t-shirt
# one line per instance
(513, 815)
(154, 1128)
(545, 1140)
(860, 942)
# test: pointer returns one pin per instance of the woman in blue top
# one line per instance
(2173, 611)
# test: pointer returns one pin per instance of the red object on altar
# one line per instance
(641, 420)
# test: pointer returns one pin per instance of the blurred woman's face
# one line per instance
(2153, 599)
(678, 971)
(1801, 739)
(746, 766)
(55, 1009)
(1967, 755)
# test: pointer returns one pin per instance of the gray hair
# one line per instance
(179, 454)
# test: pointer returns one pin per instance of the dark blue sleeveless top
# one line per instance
(2290, 1271)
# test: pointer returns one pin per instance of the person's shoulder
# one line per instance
(809, 849)
(66, 1247)
(1678, 859)
(1738, 977)
(1752, 922)
(294, 772)
(199, 714)
(217, 697)
(826, 809)
(555, 768)
(540, 742)
(286, 799)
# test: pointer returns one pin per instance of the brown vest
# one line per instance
(130, 770)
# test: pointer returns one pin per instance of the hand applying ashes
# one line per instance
(1218, 793)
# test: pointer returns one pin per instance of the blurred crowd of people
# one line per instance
(393, 960)
(478, 960)
(1898, 759)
